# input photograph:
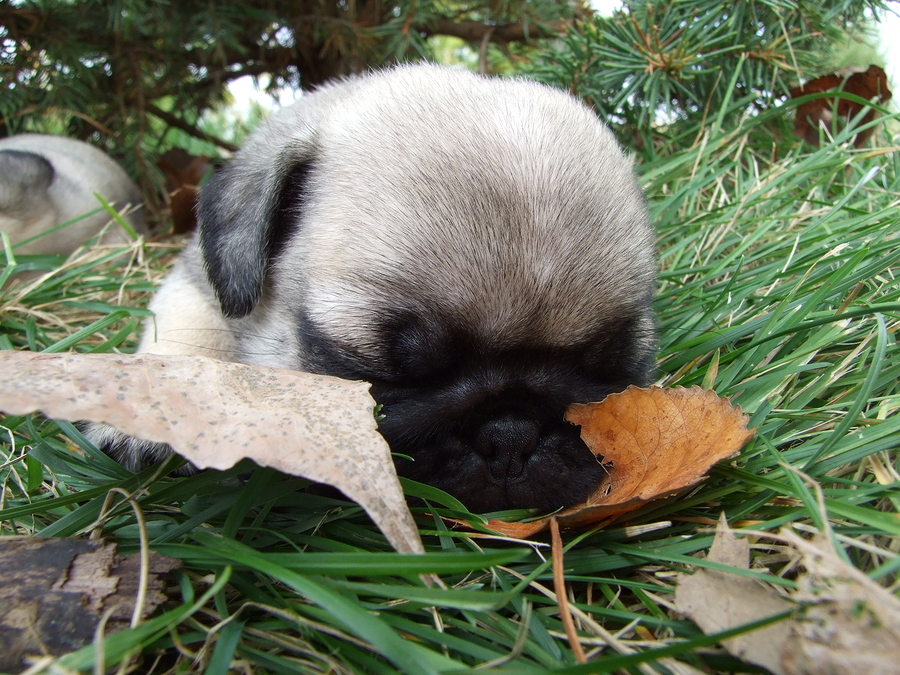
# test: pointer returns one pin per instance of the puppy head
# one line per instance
(477, 249)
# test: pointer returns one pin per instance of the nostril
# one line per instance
(507, 438)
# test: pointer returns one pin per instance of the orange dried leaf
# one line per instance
(656, 442)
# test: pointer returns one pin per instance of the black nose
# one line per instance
(505, 442)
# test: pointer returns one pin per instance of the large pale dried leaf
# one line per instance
(717, 601)
(655, 443)
(216, 414)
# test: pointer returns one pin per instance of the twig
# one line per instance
(482, 51)
(589, 623)
(559, 585)
(179, 123)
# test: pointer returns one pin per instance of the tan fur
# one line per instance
(477, 248)
(187, 319)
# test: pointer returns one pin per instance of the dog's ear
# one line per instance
(248, 208)
(24, 179)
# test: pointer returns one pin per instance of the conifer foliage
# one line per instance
(109, 67)
(666, 66)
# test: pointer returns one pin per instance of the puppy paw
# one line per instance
(132, 453)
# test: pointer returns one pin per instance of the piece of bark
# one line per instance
(54, 591)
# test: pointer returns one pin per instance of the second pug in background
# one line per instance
(477, 249)
(48, 180)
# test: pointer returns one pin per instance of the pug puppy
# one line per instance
(477, 249)
(47, 180)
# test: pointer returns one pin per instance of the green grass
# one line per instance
(778, 288)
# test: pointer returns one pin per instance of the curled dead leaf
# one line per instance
(870, 84)
(841, 622)
(656, 442)
(717, 601)
(215, 414)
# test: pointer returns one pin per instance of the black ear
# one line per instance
(246, 213)
(24, 176)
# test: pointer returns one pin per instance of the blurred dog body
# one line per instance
(47, 180)
(477, 249)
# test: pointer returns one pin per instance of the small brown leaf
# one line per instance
(184, 173)
(656, 442)
(871, 84)
(215, 414)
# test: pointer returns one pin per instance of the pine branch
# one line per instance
(179, 123)
(474, 31)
